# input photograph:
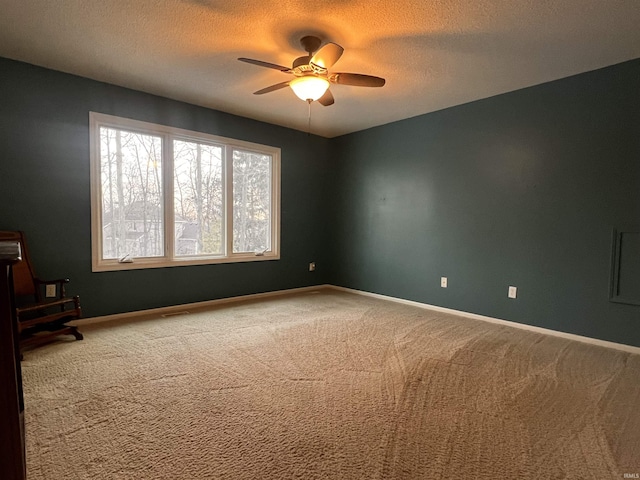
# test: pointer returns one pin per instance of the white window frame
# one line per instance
(168, 134)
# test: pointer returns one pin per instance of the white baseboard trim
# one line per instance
(185, 307)
(182, 308)
(523, 326)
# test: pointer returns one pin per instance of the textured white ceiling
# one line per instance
(433, 54)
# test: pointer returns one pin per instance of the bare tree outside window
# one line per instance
(131, 180)
(251, 202)
(198, 198)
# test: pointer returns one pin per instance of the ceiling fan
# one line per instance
(312, 77)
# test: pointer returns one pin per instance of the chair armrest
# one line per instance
(40, 306)
(58, 280)
(42, 314)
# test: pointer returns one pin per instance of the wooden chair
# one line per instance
(40, 319)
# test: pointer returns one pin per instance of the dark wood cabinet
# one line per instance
(12, 447)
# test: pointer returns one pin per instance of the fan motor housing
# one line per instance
(301, 61)
(310, 43)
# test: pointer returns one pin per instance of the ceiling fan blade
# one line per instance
(326, 99)
(356, 79)
(327, 56)
(272, 88)
(260, 63)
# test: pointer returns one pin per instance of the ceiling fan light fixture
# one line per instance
(311, 76)
(309, 88)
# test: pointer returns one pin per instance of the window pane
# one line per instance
(251, 202)
(221, 205)
(131, 177)
(198, 190)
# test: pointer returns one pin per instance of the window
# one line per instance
(163, 196)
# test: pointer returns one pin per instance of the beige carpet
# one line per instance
(328, 385)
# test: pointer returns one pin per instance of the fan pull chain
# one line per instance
(309, 119)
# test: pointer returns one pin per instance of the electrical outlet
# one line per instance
(312, 267)
(443, 282)
(513, 292)
(50, 290)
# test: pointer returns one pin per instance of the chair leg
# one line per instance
(76, 333)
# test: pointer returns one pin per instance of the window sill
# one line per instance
(144, 263)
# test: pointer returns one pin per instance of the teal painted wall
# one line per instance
(520, 189)
(44, 190)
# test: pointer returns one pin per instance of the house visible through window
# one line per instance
(163, 196)
(198, 198)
